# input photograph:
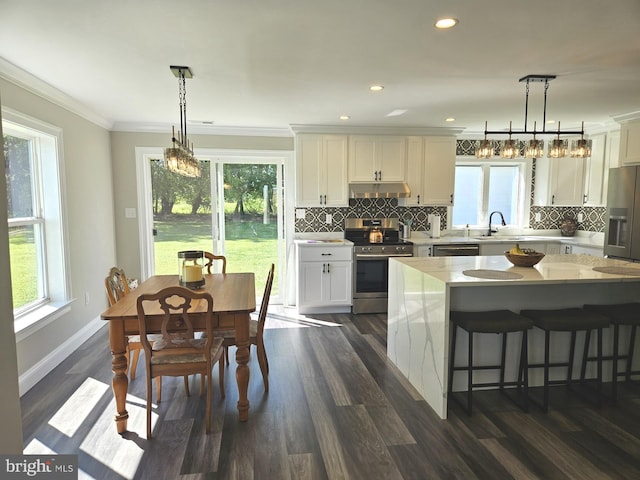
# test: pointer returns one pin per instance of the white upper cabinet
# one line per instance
(439, 170)
(431, 163)
(377, 158)
(630, 143)
(321, 176)
(595, 171)
(559, 181)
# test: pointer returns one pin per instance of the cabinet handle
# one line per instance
(326, 254)
(328, 268)
(324, 268)
(553, 199)
(584, 198)
(375, 176)
(325, 199)
(451, 199)
(320, 199)
(380, 175)
(418, 199)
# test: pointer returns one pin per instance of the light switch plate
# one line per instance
(130, 213)
(328, 218)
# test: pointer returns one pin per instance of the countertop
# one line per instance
(551, 269)
(587, 239)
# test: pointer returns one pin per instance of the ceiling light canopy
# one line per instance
(558, 148)
(179, 158)
(376, 88)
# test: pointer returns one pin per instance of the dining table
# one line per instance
(234, 299)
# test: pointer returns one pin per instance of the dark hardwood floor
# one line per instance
(337, 409)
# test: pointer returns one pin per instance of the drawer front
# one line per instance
(325, 254)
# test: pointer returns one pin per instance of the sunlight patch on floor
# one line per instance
(279, 316)
(78, 407)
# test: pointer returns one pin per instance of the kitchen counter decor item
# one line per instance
(523, 257)
(568, 227)
(190, 263)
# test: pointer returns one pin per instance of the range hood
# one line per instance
(379, 190)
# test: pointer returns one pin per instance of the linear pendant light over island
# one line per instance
(558, 148)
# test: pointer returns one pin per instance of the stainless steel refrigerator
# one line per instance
(622, 221)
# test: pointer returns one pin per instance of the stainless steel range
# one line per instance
(375, 240)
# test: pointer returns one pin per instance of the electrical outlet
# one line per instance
(300, 213)
(87, 298)
(328, 219)
(580, 218)
(130, 213)
(538, 216)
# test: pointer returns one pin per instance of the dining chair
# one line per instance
(256, 330)
(211, 258)
(117, 287)
(179, 353)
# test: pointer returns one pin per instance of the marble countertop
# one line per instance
(588, 240)
(551, 269)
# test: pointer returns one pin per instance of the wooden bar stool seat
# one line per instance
(571, 320)
(621, 314)
(498, 322)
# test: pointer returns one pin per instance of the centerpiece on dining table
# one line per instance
(190, 264)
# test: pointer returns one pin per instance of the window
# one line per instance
(484, 187)
(36, 233)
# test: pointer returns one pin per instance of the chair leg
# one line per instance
(600, 366)
(148, 404)
(614, 373)
(202, 385)
(632, 342)
(470, 375)
(524, 362)
(159, 388)
(503, 358)
(209, 391)
(186, 385)
(264, 368)
(226, 354)
(572, 352)
(134, 363)
(585, 354)
(221, 377)
(452, 355)
(545, 399)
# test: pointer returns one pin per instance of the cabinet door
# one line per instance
(362, 158)
(334, 170)
(339, 283)
(415, 167)
(308, 170)
(311, 279)
(567, 181)
(630, 143)
(391, 157)
(439, 170)
(594, 177)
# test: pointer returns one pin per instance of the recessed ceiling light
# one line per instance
(344, 117)
(376, 88)
(397, 112)
(450, 119)
(551, 121)
(445, 23)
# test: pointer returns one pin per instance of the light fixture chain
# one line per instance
(544, 110)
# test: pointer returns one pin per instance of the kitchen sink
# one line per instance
(498, 238)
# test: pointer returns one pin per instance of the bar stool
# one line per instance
(498, 322)
(618, 314)
(567, 320)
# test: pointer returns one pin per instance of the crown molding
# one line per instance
(199, 129)
(16, 75)
(375, 130)
(627, 117)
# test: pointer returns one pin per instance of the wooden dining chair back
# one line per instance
(178, 352)
(211, 258)
(116, 285)
(256, 331)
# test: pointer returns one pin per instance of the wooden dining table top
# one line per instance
(231, 292)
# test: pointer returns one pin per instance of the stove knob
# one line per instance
(399, 249)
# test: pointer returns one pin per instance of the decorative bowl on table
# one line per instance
(528, 257)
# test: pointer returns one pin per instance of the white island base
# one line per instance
(423, 290)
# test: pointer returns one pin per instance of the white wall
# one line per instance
(90, 227)
(10, 415)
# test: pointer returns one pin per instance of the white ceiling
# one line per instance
(274, 63)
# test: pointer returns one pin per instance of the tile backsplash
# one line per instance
(550, 217)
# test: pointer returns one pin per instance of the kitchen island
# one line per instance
(422, 292)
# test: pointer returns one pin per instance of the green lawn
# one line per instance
(250, 247)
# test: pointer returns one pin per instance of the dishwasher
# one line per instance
(456, 250)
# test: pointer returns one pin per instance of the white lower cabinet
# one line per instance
(325, 276)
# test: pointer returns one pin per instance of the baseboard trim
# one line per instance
(36, 373)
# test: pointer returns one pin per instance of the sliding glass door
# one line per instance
(235, 209)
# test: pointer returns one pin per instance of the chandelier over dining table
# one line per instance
(179, 158)
(534, 148)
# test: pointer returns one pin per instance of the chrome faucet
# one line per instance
(504, 224)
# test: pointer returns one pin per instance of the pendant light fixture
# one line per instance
(535, 148)
(557, 146)
(179, 158)
(484, 149)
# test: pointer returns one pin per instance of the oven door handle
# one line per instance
(373, 255)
